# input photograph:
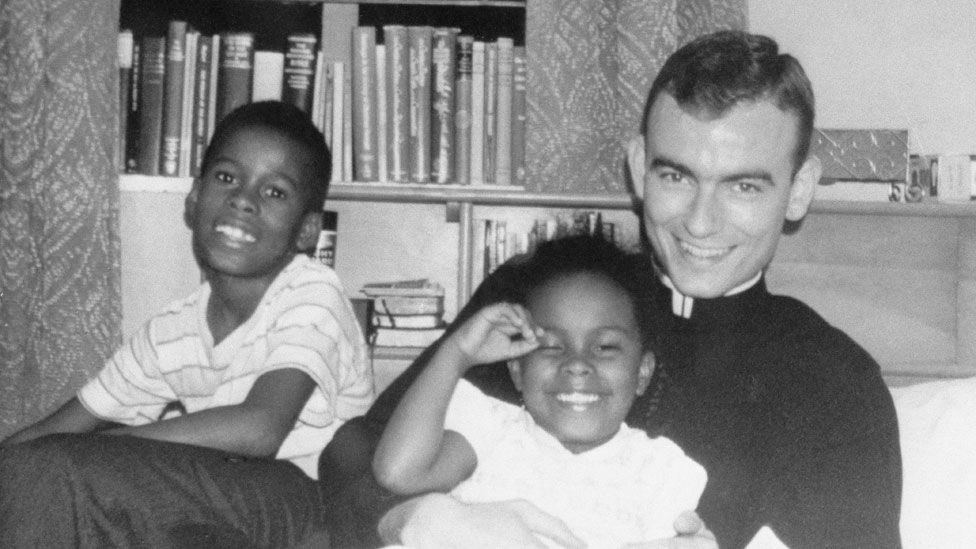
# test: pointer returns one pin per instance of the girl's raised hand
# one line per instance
(497, 332)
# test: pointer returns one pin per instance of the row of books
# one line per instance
(427, 105)
(406, 313)
(940, 177)
(502, 241)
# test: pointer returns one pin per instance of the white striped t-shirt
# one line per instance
(304, 321)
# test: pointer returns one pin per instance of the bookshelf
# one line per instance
(898, 277)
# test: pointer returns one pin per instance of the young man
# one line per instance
(265, 360)
(789, 416)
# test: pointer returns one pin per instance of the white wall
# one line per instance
(885, 63)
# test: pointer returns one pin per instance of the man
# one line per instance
(789, 416)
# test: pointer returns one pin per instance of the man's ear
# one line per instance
(190, 204)
(308, 234)
(804, 185)
(644, 372)
(515, 370)
(635, 164)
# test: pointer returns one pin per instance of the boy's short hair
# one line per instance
(291, 122)
(633, 272)
(717, 71)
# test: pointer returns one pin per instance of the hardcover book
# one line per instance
(236, 67)
(338, 107)
(132, 118)
(201, 104)
(365, 159)
(397, 102)
(152, 67)
(173, 98)
(443, 61)
(406, 337)
(186, 110)
(503, 112)
(381, 164)
(267, 76)
(477, 113)
(420, 43)
(299, 70)
(491, 103)
(124, 52)
(519, 115)
(462, 111)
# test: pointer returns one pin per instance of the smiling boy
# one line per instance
(266, 358)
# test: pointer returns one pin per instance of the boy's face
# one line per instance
(716, 191)
(247, 210)
(581, 381)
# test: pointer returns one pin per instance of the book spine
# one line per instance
(338, 75)
(382, 168)
(152, 64)
(132, 119)
(236, 67)
(299, 72)
(491, 103)
(398, 102)
(186, 123)
(347, 156)
(421, 38)
(124, 52)
(478, 113)
(462, 111)
(266, 78)
(443, 61)
(318, 86)
(201, 104)
(519, 115)
(169, 162)
(503, 112)
(365, 161)
(214, 74)
(328, 96)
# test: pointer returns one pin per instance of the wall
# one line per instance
(885, 63)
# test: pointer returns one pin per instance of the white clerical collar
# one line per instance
(681, 304)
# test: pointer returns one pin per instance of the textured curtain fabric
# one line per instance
(591, 63)
(60, 304)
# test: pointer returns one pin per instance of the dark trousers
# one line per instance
(94, 490)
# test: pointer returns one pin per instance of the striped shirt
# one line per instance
(304, 321)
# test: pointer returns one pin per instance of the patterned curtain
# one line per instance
(591, 63)
(60, 304)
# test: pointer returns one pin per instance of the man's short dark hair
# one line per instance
(289, 121)
(717, 71)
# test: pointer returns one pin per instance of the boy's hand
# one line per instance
(496, 332)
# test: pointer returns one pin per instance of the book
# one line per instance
(462, 111)
(519, 115)
(298, 80)
(186, 110)
(347, 156)
(267, 76)
(152, 67)
(397, 102)
(318, 102)
(406, 337)
(381, 164)
(215, 42)
(338, 76)
(443, 62)
(491, 103)
(124, 47)
(365, 159)
(169, 161)
(409, 305)
(419, 46)
(503, 111)
(410, 288)
(477, 158)
(200, 131)
(235, 68)
(132, 118)
(408, 321)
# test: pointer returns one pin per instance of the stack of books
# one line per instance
(406, 313)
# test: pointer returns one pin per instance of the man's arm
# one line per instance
(72, 417)
(255, 427)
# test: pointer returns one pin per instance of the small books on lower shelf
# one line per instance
(406, 313)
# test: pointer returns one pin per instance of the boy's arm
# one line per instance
(72, 417)
(255, 427)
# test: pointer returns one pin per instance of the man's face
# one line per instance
(716, 191)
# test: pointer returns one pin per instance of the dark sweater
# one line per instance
(788, 415)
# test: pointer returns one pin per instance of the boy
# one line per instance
(578, 351)
(266, 358)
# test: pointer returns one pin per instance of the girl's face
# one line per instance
(581, 381)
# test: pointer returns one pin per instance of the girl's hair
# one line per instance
(288, 120)
(633, 272)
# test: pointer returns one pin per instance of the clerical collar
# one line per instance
(681, 304)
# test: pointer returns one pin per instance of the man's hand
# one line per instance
(438, 521)
(690, 534)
